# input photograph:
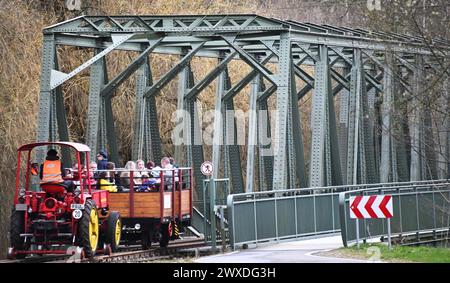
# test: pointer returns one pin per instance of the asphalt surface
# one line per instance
(300, 251)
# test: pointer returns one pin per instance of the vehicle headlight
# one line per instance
(137, 226)
(50, 203)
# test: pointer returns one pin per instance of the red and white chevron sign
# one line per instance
(371, 206)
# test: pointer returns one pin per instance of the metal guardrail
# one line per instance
(417, 207)
(288, 214)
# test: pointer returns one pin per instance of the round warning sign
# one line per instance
(207, 168)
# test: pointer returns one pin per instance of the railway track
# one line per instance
(127, 254)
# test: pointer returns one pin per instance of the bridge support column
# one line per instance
(110, 131)
(232, 150)
(100, 131)
(443, 129)
(146, 140)
(296, 147)
(45, 96)
(399, 133)
(282, 156)
(429, 169)
(252, 134)
(386, 112)
(343, 128)
(218, 123)
(137, 148)
(265, 151)
(194, 149)
(368, 131)
(357, 116)
(373, 95)
(96, 83)
(416, 124)
(180, 154)
(324, 166)
(63, 129)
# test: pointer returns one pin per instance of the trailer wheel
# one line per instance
(165, 236)
(114, 230)
(88, 228)
(17, 227)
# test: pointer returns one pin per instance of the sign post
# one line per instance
(357, 232)
(207, 169)
(389, 233)
(371, 207)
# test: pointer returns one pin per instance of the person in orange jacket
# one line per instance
(51, 171)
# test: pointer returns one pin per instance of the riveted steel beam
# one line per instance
(281, 154)
(152, 136)
(355, 156)
(386, 120)
(297, 141)
(245, 81)
(63, 130)
(415, 124)
(210, 77)
(152, 90)
(219, 111)
(102, 141)
(58, 78)
(94, 107)
(265, 152)
(111, 131)
(324, 164)
(194, 149)
(343, 127)
(444, 131)
(142, 81)
(301, 93)
(249, 59)
(129, 70)
(48, 56)
(232, 149)
(252, 135)
(181, 125)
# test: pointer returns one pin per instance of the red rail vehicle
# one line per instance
(49, 217)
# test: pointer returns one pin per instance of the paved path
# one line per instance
(287, 252)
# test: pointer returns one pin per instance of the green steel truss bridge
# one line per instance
(360, 142)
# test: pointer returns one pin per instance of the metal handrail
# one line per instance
(369, 186)
(435, 186)
(319, 196)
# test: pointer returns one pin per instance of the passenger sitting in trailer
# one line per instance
(104, 183)
(51, 171)
(126, 175)
(140, 166)
(167, 168)
(93, 169)
(148, 184)
(114, 176)
(173, 163)
(150, 165)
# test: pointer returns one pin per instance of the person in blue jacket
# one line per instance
(102, 160)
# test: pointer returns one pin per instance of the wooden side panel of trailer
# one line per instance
(185, 202)
(148, 205)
